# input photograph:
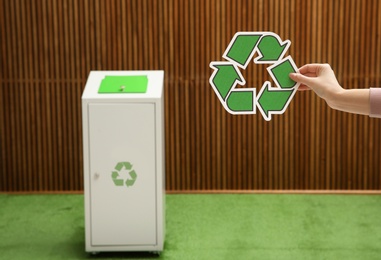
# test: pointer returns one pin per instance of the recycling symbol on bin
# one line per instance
(122, 167)
(270, 49)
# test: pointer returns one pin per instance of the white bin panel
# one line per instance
(122, 215)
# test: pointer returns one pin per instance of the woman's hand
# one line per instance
(322, 80)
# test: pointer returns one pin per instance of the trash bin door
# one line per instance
(122, 174)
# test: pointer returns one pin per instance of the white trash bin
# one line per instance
(123, 156)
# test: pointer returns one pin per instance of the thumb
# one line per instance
(301, 79)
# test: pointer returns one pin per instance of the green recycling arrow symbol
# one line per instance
(270, 49)
(116, 175)
(225, 77)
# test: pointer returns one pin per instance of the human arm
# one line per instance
(322, 80)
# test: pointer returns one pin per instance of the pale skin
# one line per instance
(322, 80)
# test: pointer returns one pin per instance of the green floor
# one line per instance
(206, 227)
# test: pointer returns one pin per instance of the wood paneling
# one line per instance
(48, 48)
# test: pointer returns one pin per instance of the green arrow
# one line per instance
(114, 175)
(133, 174)
(119, 166)
(131, 182)
(117, 182)
(241, 48)
(240, 101)
(273, 101)
(271, 48)
(224, 78)
(280, 73)
(127, 165)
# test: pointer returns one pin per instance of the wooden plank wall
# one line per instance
(47, 49)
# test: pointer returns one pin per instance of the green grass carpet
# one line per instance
(229, 226)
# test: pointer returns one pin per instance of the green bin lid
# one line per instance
(123, 84)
